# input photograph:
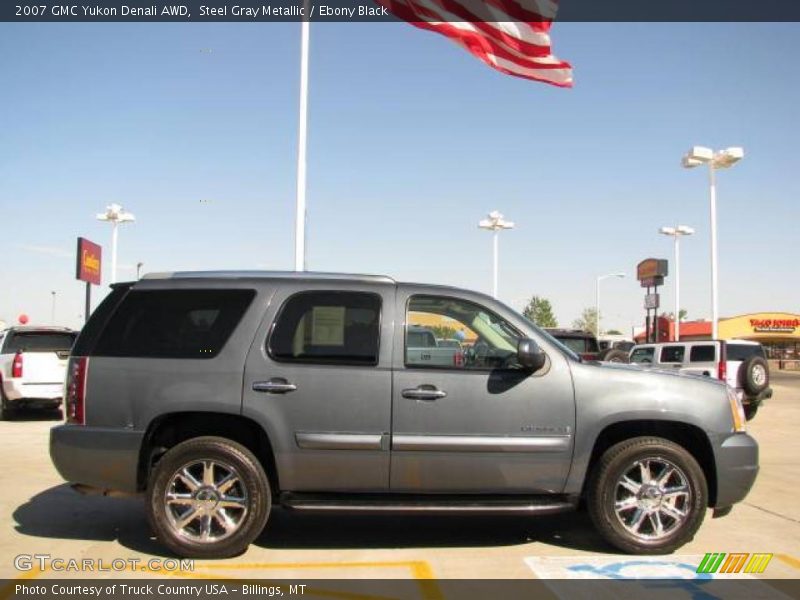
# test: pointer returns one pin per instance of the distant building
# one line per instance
(778, 332)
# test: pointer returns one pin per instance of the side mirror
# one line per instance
(529, 355)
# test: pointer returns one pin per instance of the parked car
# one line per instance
(220, 395)
(33, 363)
(741, 364)
(585, 344)
(421, 343)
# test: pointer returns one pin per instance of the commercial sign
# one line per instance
(651, 301)
(651, 271)
(774, 325)
(89, 261)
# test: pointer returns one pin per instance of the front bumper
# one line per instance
(737, 467)
(97, 456)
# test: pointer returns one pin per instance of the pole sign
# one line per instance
(651, 272)
(88, 261)
(651, 301)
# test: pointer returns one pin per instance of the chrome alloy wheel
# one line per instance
(652, 498)
(206, 501)
(759, 375)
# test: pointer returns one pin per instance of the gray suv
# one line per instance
(222, 394)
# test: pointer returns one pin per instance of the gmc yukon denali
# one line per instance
(218, 395)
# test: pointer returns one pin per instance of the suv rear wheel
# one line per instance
(208, 497)
(647, 495)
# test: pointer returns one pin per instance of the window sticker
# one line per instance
(327, 325)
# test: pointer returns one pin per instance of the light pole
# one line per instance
(139, 269)
(700, 155)
(676, 233)
(53, 310)
(495, 223)
(115, 214)
(597, 299)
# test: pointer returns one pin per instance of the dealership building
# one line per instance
(779, 332)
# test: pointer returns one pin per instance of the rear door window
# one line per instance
(672, 354)
(704, 353)
(173, 323)
(328, 327)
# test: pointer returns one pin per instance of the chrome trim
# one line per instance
(338, 441)
(477, 507)
(480, 443)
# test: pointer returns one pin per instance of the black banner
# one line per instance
(180, 588)
(369, 11)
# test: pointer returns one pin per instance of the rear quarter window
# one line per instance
(173, 323)
(706, 353)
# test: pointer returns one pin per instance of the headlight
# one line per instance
(737, 411)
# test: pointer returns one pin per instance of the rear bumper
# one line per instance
(737, 468)
(94, 456)
(16, 389)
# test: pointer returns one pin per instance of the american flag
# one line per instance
(512, 36)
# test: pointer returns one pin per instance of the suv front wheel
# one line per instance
(208, 497)
(647, 495)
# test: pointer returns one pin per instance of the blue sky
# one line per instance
(412, 141)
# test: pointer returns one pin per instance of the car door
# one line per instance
(476, 423)
(702, 359)
(318, 379)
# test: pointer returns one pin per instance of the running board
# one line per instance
(430, 504)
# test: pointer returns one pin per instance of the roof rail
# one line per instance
(295, 275)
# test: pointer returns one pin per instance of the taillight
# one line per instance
(75, 400)
(722, 368)
(16, 366)
(458, 359)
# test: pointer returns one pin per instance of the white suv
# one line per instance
(33, 362)
(740, 363)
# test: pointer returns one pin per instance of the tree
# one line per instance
(614, 332)
(682, 314)
(540, 311)
(587, 320)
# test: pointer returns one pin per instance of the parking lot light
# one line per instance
(115, 214)
(495, 223)
(723, 159)
(676, 233)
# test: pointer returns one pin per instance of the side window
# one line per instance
(642, 355)
(173, 323)
(704, 353)
(485, 341)
(327, 328)
(672, 354)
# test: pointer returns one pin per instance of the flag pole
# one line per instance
(300, 216)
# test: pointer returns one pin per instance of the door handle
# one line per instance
(276, 385)
(424, 392)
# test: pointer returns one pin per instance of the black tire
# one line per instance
(252, 486)
(6, 411)
(750, 410)
(753, 375)
(602, 495)
(614, 355)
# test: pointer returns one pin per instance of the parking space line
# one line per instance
(789, 560)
